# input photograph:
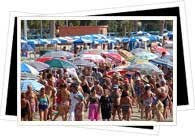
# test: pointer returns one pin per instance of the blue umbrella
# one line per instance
(35, 85)
(26, 47)
(28, 69)
(133, 39)
(62, 40)
(164, 62)
(38, 65)
(58, 54)
(125, 40)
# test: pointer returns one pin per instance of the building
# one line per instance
(82, 30)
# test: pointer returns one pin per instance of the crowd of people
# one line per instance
(99, 96)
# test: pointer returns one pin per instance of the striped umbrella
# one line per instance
(145, 68)
(38, 65)
(28, 69)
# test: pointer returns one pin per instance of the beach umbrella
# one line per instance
(62, 40)
(23, 41)
(28, 76)
(35, 85)
(69, 39)
(43, 59)
(138, 50)
(38, 65)
(44, 41)
(125, 54)
(164, 62)
(146, 55)
(58, 54)
(121, 71)
(92, 51)
(54, 41)
(125, 40)
(58, 63)
(92, 57)
(28, 69)
(85, 63)
(160, 49)
(138, 61)
(115, 57)
(145, 68)
(133, 39)
(33, 41)
(26, 47)
(141, 33)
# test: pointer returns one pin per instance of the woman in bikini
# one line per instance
(93, 106)
(126, 105)
(43, 105)
(79, 109)
(63, 100)
(147, 102)
(25, 108)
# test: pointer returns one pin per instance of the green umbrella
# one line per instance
(58, 63)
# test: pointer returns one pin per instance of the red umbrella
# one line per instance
(115, 57)
(47, 58)
(160, 49)
(121, 71)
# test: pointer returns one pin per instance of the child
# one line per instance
(79, 109)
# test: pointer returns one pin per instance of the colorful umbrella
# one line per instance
(92, 57)
(138, 61)
(35, 85)
(145, 68)
(38, 65)
(125, 54)
(164, 62)
(85, 63)
(26, 47)
(28, 69)
(144, 54)
(115, 57)
(43, 59)
(92, 51)
(58, 54)
(28, 76)
(160, 49)
(138, 50)
(58, 63)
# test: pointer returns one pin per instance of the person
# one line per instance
(163, 55)
(93, 103)
(43, 105)
(63, 97)
(32, 98)
(138, 87)
(116, 102)
(25, 108)
(106, 105)
(74, 100)
(86, 90)
(147, 102)
(79, 109)
(98, 88)
(126, 105)
(165, 99)
(159, 108)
